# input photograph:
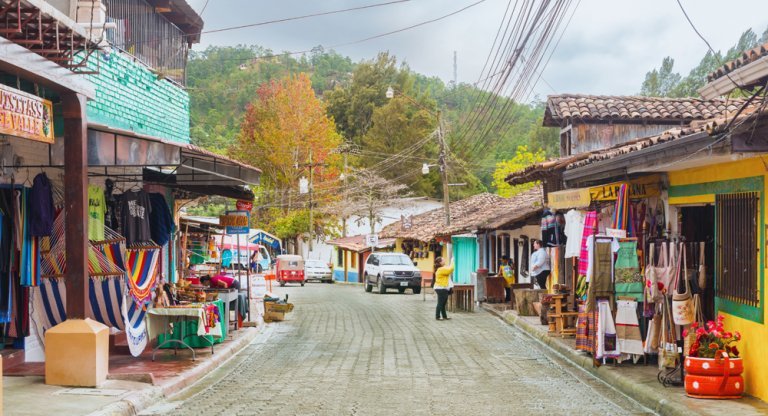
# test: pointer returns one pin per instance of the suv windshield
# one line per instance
(401, 260)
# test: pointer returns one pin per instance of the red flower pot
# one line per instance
(714, 378)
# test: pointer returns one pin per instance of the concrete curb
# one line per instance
(637, 391)
(137, 401)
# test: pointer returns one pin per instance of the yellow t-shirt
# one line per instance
(442, 276)
(508, 275)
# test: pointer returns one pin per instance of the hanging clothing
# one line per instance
(615, 246)
(627, 256)
(590, 228)
(5, 278)
(41, 211)
(552, 228)
(628, 328)
(607, 343)
(574, 229)
(585, 327)
(110, 217)
(29, 259)
(97, 208)
(600, 275)
(135, 209)
(161, 221)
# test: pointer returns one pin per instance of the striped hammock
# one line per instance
(141, 266)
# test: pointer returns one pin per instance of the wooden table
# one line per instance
(463, 298)
(494, 289)
(559, 317)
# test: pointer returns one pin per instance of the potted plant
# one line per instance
(713, 367)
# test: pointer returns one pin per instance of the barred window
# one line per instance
(737, 247)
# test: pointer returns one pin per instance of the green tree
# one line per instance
(522, 159)
(660, 82)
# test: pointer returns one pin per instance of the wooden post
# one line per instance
(76, 203)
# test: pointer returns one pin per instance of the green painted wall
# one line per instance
(130, 97)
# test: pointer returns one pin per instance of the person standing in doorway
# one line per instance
(506, 270)
(540, 264)
(442, 287)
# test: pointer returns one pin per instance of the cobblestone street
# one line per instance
(345, 352)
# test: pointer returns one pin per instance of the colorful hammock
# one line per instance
(48, 306)
(107, 297)
(141, 266)
(136, 326)
(621, 211)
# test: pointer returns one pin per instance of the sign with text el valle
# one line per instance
(25, 115)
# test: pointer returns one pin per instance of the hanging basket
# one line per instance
(714, 378)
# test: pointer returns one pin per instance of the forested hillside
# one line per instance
(223, 81)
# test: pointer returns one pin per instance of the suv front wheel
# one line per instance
(382, 288)
(368, 286)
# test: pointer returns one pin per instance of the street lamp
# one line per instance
(442, 160)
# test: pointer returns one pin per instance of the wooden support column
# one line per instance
(76, 203)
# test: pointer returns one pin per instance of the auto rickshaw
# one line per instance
(289, 268)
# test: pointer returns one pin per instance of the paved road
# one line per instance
(346, 352)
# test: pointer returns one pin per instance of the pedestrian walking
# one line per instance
(443, 286)
(540, 264)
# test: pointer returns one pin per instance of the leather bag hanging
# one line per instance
(668, 354)
(682, 303)
(690, 337)
(702, 267)
(651, 289)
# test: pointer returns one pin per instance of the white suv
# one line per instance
(391, 270)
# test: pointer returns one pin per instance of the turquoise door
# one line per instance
(465, 256)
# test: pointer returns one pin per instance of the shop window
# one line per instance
(737, 247)
(340, 257)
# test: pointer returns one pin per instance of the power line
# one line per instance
(306, 16)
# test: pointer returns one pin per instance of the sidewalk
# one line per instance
(133, 384)
(637, 381)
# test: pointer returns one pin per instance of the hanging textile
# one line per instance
(590, 228)
(5, 278)
(97, 209)
(141, 266)
(19, 324)
(135, 209)
(106, 296)
(574, 230)
(135, 326)
(160, 219)
(110, 216)
(600, 275)
(627, 255)
(621, 211)
(48, 306)
(628, 328)
(585, 326)
(605, 336)
(41, 211)
(29, 266)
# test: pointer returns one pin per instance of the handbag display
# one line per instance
(702, 267)
(668, 354)
(650, 277)
(682, 303)
(690, 338)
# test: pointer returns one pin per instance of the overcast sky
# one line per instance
(607, 49)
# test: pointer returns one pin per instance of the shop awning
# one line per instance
(176, 165)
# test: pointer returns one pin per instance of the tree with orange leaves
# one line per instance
(280, 127)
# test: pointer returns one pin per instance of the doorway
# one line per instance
(697, 224)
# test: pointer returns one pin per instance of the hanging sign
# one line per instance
(25, 115)
(241, 205)
(640, 188)
(406, 222)
(236, 222)
(569, 198)
(372, 240)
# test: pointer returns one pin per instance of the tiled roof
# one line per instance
(481, 211)
(746, 57)
(541, 170)
(712, 126)
(357, 243)
(588, 108)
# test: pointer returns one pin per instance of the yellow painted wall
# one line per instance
(754, 341)
(427, 264)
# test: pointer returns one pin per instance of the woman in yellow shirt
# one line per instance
(442, 286)
(506, 270)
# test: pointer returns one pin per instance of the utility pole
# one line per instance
(344, 219)
(311, 169)
(444, 169)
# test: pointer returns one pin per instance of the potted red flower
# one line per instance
(713, 367)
